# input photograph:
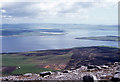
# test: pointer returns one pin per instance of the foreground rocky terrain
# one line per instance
(94, 73)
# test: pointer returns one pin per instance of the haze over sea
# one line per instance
(60, 36)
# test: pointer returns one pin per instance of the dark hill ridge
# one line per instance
(43, 52)
(94, 56)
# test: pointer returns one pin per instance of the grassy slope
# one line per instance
(29, 63)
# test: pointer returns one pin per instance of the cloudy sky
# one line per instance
(60, 11)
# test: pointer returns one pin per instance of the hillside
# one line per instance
(59, 59)
(94, 56)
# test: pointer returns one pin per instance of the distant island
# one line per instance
(101, 38)
(30, 32)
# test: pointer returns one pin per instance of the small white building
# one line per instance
(28, 74)
(83, 68)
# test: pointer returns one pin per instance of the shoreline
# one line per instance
(59, 49)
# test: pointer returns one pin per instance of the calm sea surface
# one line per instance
(32, 43)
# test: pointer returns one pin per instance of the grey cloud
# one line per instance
(77, 6)
(20, 9)
(27, 9)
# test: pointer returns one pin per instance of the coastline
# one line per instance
(58, 49)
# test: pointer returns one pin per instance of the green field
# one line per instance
(33, 64)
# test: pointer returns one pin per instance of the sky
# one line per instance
(96, 12)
